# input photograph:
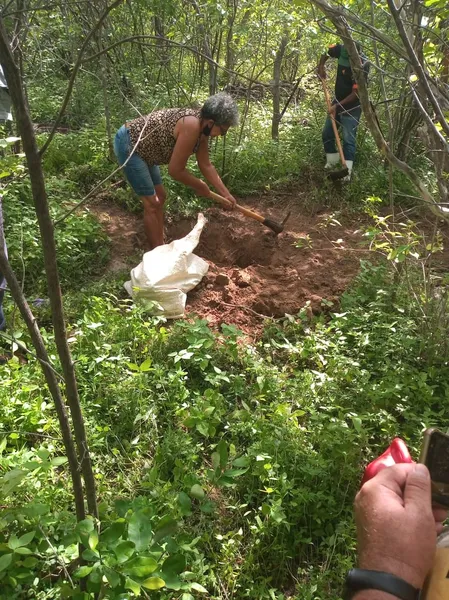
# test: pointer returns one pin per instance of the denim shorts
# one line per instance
(141, 176)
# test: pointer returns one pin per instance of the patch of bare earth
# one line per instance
(125, 231)
(253, 273)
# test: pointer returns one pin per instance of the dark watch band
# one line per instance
(362, 579)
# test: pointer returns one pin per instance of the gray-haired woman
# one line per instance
(170, 136)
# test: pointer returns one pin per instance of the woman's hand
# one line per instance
(201, 188)
(232, 201)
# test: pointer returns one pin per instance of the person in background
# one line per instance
(396, 534)
(170, 136)
(346, 109)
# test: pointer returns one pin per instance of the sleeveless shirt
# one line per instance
(156, 141)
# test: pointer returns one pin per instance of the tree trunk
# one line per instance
(230, 53)
(206, 49)
(50, 378)
(162, 47)
(34, 163)
(105, 90)
(276, 88)
(107, 109)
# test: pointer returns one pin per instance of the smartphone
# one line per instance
(435, 455)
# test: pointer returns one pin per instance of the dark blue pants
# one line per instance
(347, 124)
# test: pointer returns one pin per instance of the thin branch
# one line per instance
(60, 559)
(417, 67)
(382, 78)
(136, 38)
(250, 310)
(295, 87)
(76, 68)
(373, 39)
(5, 8)
(39, 195)
(429, 121)
(21, 345)
(133, 38)
(49, 375)
(125, 97)
(38, 8)
(346, 13)
(41, 435)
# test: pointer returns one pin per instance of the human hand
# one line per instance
(231, 200)
(202, 189)
(333, 111)
(396, 529)
(321, 71)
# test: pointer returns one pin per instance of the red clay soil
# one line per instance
(253, 274)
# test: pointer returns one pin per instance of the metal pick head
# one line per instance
(287, 217)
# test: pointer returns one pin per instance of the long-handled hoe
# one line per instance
(273, 225)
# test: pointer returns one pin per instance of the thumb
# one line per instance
(417, 493)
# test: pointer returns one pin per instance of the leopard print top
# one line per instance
(157, 142)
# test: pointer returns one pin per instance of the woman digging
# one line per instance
(170, 136)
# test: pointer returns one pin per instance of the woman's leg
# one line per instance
(153, 220)
(161, 195)
(153, 210)
(139, 175)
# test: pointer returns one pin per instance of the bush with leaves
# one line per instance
(254, 451)
(82, 246)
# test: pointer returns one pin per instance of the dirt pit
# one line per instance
(253, 274)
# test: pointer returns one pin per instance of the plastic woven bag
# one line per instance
(167, 273)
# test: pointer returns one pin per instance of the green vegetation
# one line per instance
(225, 467)
(219, 464)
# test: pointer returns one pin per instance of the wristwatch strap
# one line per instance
(363, 579)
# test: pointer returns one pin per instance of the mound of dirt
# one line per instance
(253, 273)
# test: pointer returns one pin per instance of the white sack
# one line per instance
(168, 272)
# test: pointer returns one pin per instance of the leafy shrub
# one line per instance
(255, 451)
(81, 156)
(82, 246)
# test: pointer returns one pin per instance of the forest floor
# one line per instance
(253, 274)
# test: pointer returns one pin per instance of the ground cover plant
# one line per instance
(223, 451)
(219, 465)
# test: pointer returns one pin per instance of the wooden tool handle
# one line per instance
(242, 209)
(437, 584)
(334, 124)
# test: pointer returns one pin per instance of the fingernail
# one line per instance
(421, 471)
